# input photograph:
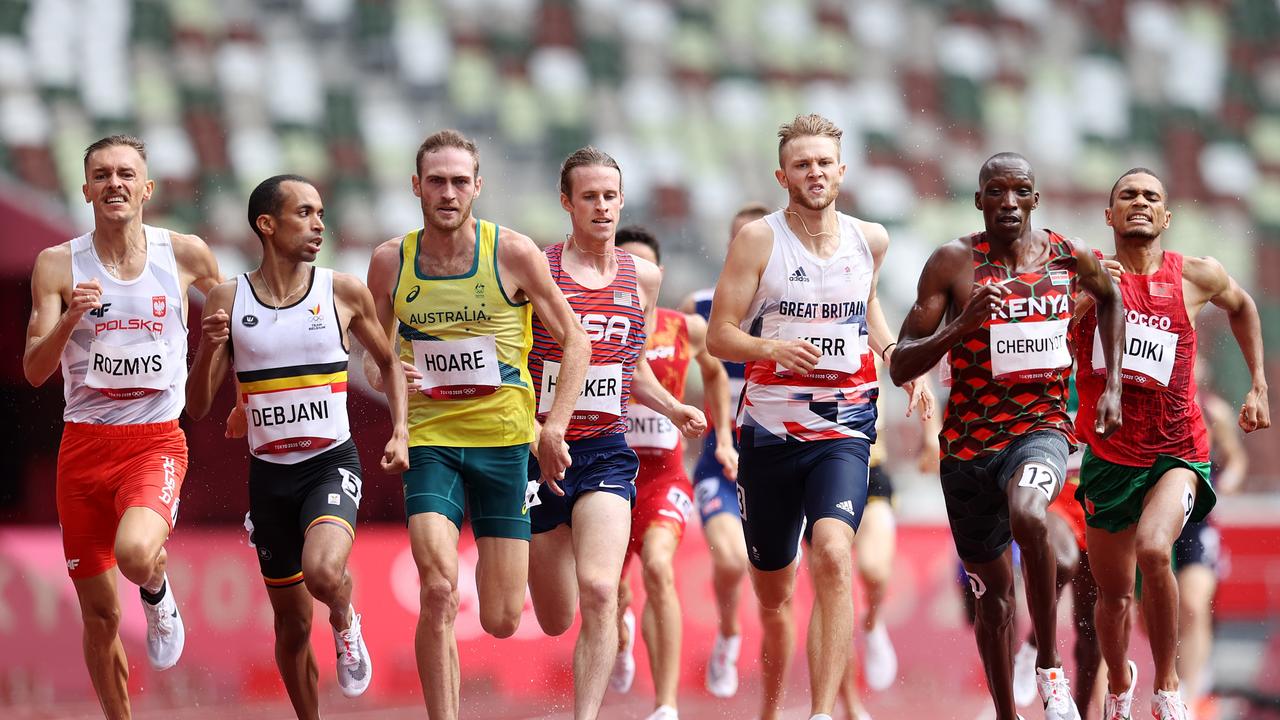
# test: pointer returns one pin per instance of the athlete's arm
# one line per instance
(748, 255)
(384, 271)
(196, 261)
(526, 266)
(1228, 451)
(645, 387)
(357, 299)
(1216, 286)
(1097, 281)
(49, 328)
(211, 362)
(715, 393)
(879, 336)
(920, 342)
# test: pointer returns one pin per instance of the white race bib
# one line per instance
(647, 429)
(841, 344)
(294, 420)
(132, 371)
(1148, 355)
(601, 393)
(1029, 349)
(458, 369)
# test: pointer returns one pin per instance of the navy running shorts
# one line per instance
(600, 464)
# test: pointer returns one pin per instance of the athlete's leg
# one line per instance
(624, 601)
(292, 609)
(1197, 583)
(139, 547)
(1028, 507)
(875, 548)
(1112, 559)
(103, 652)
(848, 695)
(553, 583)
(501, 578)
(774, 589)
(324, 571)
(1087, 655)
(1164, 511)
(832, 565)
(434, 541)
(728, 567)
(601, 528)
(661, 621)
(991, 583)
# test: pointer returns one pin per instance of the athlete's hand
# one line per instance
(690, 420)
(85, 296)
(1113, 267)
(920, 396)
(727, 456)
(553, 457)
(983, 302)
(411, 377)
(395, 456)
(237, 422)
(216, 328)
(797, 356)
(1107, 418)
(1255, 414)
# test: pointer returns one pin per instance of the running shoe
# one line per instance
(882, 661)
(624, 665)
(664, 712)
(1120, 707)
(722, 669)
(355, 669)
(1168, 705)
(1024, 675)
(1055, 692)
(165, 634)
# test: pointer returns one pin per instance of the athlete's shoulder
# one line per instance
(224, 293)
(874, 233)
(190, 251)
(1205, 272)
(53, 266)
(516, 246)
(956, 251)
(346, 283)
(386, 256)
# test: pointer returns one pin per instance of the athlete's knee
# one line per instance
(136, 559)
(439, 599)
(499, 620)
(659, 577)
(994, 610)
(1154, 558)
(324, 582)
(1114, 602)
(597, 596)
(831, 562)
(773, 602)
(1027, 524)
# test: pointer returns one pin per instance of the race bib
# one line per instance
(648, 429)
(132, 371)
(294, 420)
(841, 344)
(1029, 350)
(601, 398)
(458, 369)
(1148, 355)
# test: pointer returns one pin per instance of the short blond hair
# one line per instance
(448, 138)
(807, 126)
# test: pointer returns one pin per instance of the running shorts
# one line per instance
(600, 464)
(713, 492)
(1113, 494)
(664, 499)
(488, 481)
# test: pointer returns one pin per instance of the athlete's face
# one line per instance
(594, 202)
(1007, 198)
(447, 185)
(295, 234)
(811, 171)
(116, 183)
(1138, 209)
(640, 250)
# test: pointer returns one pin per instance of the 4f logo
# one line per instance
(100, 311)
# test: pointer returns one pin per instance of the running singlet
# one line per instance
(1161, 415)
(471, 344)
(291, 365)
(614, 320)
(126, 362)
(1009, 377)
(649, 433)
(825, 302)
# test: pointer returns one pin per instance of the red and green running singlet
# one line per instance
(1009, 377)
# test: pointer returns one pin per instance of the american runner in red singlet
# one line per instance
(110, 307)
(1006, 297)
(664, 499)
(581, 522)
(1140, 485)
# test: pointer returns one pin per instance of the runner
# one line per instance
(794, 301)
(110, 307)
(1006, 296)
(664, 497)
(285, 328)
(458, 294)
(1141, 486)
(582, 523)
(715, 491)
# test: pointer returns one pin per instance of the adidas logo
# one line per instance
(845, 505)
(799, 276)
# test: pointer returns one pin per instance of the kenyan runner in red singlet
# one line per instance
(1142, 484)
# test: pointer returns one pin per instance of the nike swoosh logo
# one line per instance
(611, 487)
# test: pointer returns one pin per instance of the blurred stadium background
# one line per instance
(687, 95)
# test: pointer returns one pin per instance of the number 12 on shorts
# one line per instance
(1040, 477)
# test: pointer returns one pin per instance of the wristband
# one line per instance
(885, 351)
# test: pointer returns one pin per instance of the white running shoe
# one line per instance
(1120, 707)
(722, 668)
(1055, 692)
(664, 712)
(624, 665)
(1168, 705)
(1024, 675)
(165, 634)
(882, 661)
(355, 669)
